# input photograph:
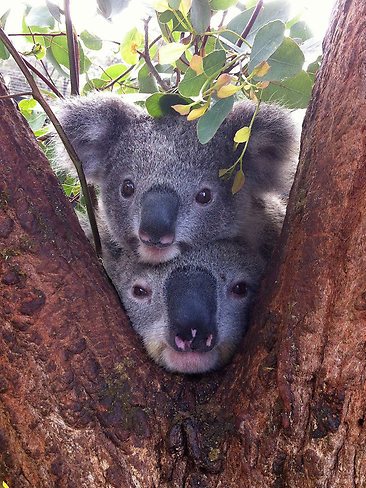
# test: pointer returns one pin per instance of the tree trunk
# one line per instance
(81, 405)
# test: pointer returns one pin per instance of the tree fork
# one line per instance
(82, 405)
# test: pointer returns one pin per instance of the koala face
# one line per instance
(192, 312)
(159, 187)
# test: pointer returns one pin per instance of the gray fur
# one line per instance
(223, 262)
(118, 141)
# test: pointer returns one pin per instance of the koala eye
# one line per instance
(127, 188)
(240, 289)
(140, 292)
(204, 196)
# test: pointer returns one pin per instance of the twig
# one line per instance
(249, 25)
(116, 80)
(50, 85)
(73, 50)
(14, 95)
(37, 95)
(51, 34)
(146, 56)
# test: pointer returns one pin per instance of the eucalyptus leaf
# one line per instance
(147, 83)
(113, 72)
(214, 62)
(292, 93)
(171, 52)
(160, 104)
(301, 31)
(200, 15)
(222, 4)
(192, 83)
(131, 41)
(54, 10)
(285, 62)
(4, 53)
(267, 40)
(210, 122)
(40, 16)
(92, 85)
(91, 41)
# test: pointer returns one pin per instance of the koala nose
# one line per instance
(191, 299)
(158, 217)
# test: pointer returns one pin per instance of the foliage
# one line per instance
(187, 60)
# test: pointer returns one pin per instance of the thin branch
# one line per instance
(249, 25)
(50, 85)
(116, 80)
(37, 95)
(14, 95)
(51, 34)
(146, 56)
(73, 50)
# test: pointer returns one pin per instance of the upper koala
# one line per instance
(159, 187)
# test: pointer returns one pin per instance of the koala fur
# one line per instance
(151, 172)
(192, 311)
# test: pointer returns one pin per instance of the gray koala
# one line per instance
(192, 311)
(159, 187)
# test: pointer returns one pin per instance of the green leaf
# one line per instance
(200, 15)
(93, 84)
(160, 104)
(40, 17)
(174, 4)
(242, 135)
(60, 52)
(292, 93)
(222, 4)
(238, 182)
(131, 41)
(301, 31)
(285, 62)
(171, 52)
(27, 105)
(210, 122)
(113, 72)
(109, 8)
(5, 485)
(54, 10)
(4, 18)
(313, 67)
(214, 62)
(147, 83)
(192, 83)
(4, 53)
(277, 10)
(267, 40)
(165, 17)
(91, 41)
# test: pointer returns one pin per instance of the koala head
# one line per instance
(159, 187)
(191, 312)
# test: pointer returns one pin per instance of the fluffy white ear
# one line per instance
(271, 157)
(93, 124)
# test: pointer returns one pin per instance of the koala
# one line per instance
(160, 192)
(192, 311)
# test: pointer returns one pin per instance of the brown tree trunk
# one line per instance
(81, 405)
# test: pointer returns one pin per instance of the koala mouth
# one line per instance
(190, 362)
(157, 254)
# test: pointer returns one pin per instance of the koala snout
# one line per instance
(191, 299)
(159, 212)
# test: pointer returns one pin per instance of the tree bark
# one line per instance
(82, 405)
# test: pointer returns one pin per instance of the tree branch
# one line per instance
(37, 95)
(146, 56)
(14, 95)
(73, 50)
(249, 25)
(50, 85)
(51, 34)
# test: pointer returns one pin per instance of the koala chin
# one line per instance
(159, 187)
(192, 311)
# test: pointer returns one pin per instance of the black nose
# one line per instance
(191, 297)
(158, 217)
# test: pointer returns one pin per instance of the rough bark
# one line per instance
(82, 405)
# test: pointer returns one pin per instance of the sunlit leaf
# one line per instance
(161, 5)
(262, 69)
(54, 10)
(196, 113)
(113, 72)
(228, 90)
(300, 31)
(238, 182)
(109, 8)
(223, 80)
(171, 52)
(4, 53)
(210, 122)
(285, 62)
(222, 4)
(40, 16)
(91, 41)
(132, 41)
(93, 84)
(267, 40)
(147, 83)
(242, 135)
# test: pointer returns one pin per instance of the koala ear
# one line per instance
(93, 124)
(270, 161)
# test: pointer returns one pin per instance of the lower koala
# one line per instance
(191, 312)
